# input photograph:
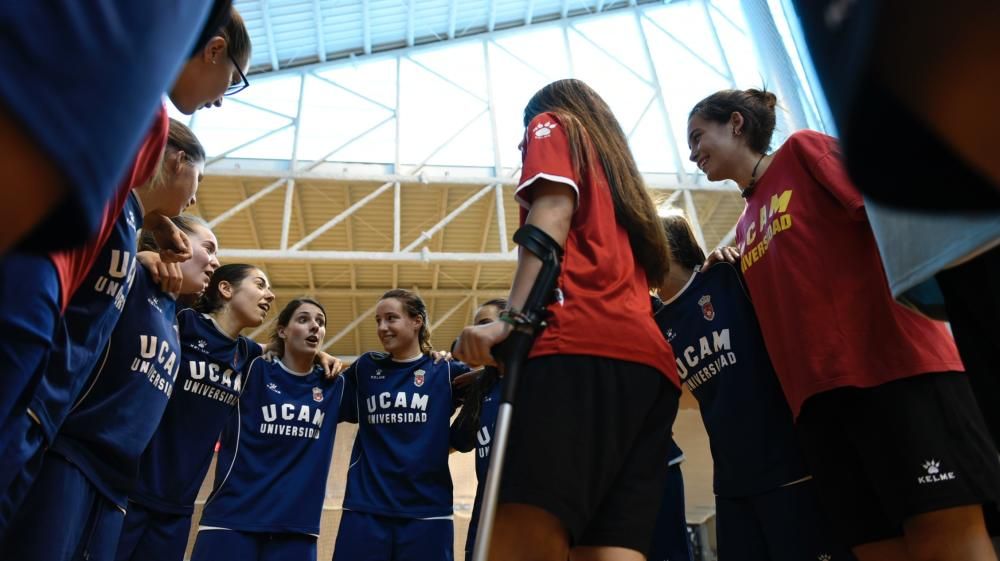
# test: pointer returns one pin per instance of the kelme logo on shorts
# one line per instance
(934, 473)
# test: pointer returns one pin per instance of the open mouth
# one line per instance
(312, 340)
(265, 307)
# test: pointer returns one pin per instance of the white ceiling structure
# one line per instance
(376, 145)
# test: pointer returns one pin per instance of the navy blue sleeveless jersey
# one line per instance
(275, 456)
(399, 465)
(721, 358)
(210, 380)
(90, 317)
(110, 426)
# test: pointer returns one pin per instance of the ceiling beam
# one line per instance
(329, 257)
(373, 293)
(427, 235)
(655, 181)
(350, 56)
(320, 38)
(491, 20)
(366, 28)
(452, 18)
(411, 22)
(272, 47)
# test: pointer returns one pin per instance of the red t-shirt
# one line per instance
(816, 278)
(606, 309)
(73, 265)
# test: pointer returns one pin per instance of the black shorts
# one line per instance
(589, 438)
(973, 306)
(881, 455)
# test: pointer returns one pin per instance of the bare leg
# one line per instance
(527, 533)
(605, 554)
(887, 550)
(951, 534)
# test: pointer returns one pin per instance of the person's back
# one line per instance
(599, 375)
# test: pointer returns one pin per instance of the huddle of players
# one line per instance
(857, 413)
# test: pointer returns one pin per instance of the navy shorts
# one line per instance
(63, 499)
(784, 524)
(220, 544)
(29, 297)
(23, 446)
(371, 537)
(148, 535)
(670, 536)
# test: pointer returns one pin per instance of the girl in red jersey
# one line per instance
(599, 391)
(887, 421)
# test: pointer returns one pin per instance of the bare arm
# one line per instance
(551, 211)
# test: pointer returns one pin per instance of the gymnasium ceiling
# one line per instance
(376, 145)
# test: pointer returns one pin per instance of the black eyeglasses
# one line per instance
(238, 86)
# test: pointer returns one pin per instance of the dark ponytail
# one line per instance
(212, 301)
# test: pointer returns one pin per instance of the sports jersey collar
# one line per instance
(290, 371)
(138, 202)
(685, 287)
(217, 326)
(414, 358)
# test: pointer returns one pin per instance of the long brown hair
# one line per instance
(593, 131)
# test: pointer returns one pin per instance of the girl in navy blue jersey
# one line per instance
(35, 290)
(42, 398)
(398, 503)
(473, 428)
(766, 508)
(275, 456)
(214, 361)
(92, 463)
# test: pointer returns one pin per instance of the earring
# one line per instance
(736, 132)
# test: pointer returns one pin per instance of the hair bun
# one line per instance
(763, 96)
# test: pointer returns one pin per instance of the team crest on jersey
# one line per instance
(544, 130)
(155, 302)
(273, 387)
(670, 334)
(130, 219)
(202, 343)
(707, 309)
(317, 395)
(418, 378)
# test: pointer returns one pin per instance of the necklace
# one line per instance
(753, 178)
